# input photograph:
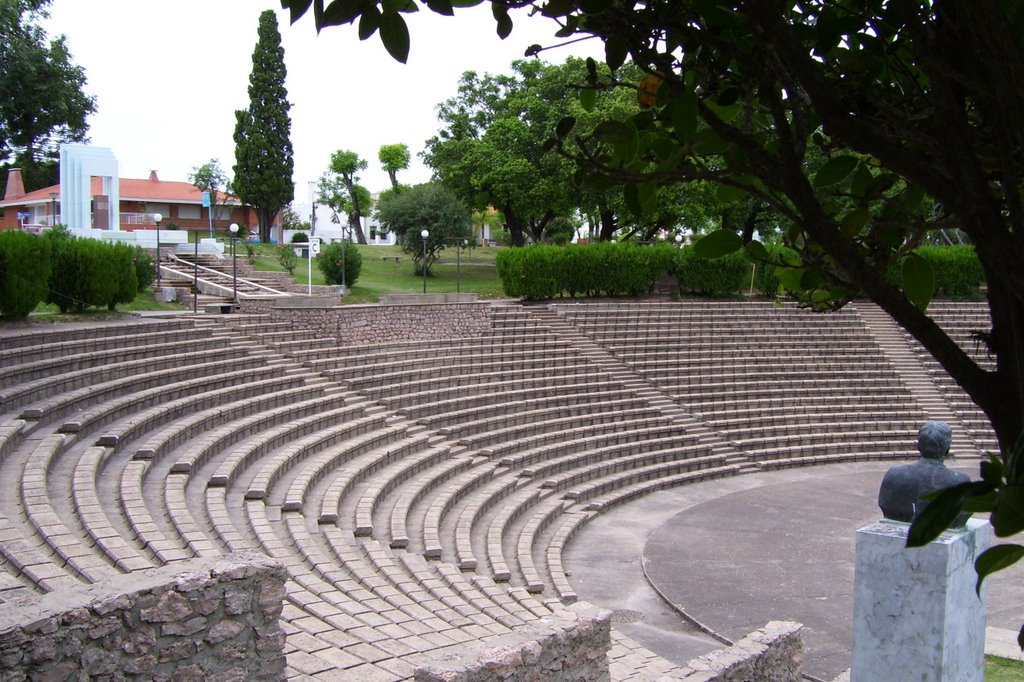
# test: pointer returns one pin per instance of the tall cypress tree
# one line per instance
(263, 147)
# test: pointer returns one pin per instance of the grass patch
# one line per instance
(1003, 669)
(48, 312)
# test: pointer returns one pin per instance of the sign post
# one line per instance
(209, 211)
(314, 250)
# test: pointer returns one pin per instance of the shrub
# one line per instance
(287, 258)
(712, 277)
(121, 263)
(300, 238)
(331, 257)
(541, 271)
(958, 272)
(145, 272)
(24, 270)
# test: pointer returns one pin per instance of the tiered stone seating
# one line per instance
(420, 494)
(783, 385)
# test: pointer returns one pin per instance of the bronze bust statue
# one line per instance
(902, 487)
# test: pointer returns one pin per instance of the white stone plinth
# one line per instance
(916, 615)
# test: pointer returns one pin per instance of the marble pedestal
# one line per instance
(916, 615)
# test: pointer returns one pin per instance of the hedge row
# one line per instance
(73, 274)
(602, 269)
(609, 269)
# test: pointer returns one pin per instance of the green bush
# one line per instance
(958, 272)
(542, 272)
(723, 276)
(766, 281)
(89, 273)
(145, 272)
(24, 271)
(331, 257)
(287, 258)
(300, 238)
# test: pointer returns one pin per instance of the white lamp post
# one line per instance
(424, 234)
(679, 240)
(233, 228)
(156, 219)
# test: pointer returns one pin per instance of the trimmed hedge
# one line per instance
(712, 277)
(24, 271)
(88, 273)
(958, 272)
(541, 271)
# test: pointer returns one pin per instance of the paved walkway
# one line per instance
(736, 553)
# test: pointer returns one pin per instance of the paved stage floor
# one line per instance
(736, 553)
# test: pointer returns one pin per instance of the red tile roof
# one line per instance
(133, 190)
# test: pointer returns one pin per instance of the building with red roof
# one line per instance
(180, 204)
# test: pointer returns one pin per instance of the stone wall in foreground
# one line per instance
(204, 619)
(372, 324)
(572, 648)
(775, 652)
(575, 648)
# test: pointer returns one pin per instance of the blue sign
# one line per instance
(24, 215)
(206, 200)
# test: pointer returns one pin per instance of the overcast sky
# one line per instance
(169, 75)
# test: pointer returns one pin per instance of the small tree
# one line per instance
(337, 258)
(340, 190)
(426, 207)
(210, 178)
(287, 258)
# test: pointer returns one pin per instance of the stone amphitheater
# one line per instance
(423, 494)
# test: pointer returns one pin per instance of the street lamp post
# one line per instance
(53, 209)
(458, 265)
(424, 234)
(679, 240)
(233, 228)
(156, 219)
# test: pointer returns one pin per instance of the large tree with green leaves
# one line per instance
(428, 207)
(844, 118)
(263, 146)
(42, 102)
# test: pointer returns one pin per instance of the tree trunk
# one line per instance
(515, 227)
(357, 228)
(608, 224)
(265, 220)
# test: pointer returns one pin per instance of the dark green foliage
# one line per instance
(145, 271)
(428, 207)
(723, 276)
(263, 147)
(330, 262)
(42, 102)
(88, 273)
(300, 238)
(24, 271)
(559, 231)
(121, 263)
(602, 269)
(958, 272)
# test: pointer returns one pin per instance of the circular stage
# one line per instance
(736, 553)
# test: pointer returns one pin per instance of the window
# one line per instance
(189, 211)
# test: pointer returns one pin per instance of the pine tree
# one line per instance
(263, 148)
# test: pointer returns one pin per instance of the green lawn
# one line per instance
(1003, 669)
(471, 272)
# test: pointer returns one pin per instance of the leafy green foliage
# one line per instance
(340, 190)
(87, 273)
(210, 178)
(428, 207)
(337, 258)
(724, 276)
(42, 102)
(288, 259)
(541, 271)
(263, 148)
(393, 158)
(24, 271)
(145, 270)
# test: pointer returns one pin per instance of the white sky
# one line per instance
(169, 75)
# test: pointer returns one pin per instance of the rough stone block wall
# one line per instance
(573, 648)
(370, 324)
(775, 652)
(205, 619)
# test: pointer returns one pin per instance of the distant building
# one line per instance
(180, 203)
